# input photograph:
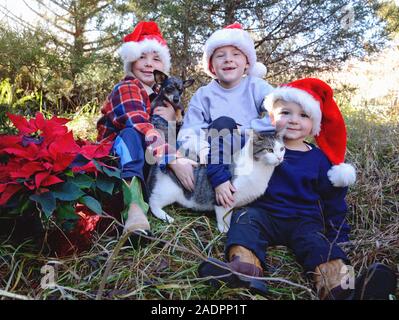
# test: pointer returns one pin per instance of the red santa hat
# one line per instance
(233, 35)
(146, 37)
(316, 99)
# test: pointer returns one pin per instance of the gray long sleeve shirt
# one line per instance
(243, 103)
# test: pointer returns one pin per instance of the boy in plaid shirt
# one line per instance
(126, 120)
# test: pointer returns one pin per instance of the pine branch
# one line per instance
(282, 21)
(48, 20)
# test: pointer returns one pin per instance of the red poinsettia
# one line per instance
(40, 153)
(78, 239)
(44, 164)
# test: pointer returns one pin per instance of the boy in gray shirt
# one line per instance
(233, 98)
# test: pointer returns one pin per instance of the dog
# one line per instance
(171, 90)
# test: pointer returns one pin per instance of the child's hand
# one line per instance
(183, 169)
(167, 112)
(224, 194)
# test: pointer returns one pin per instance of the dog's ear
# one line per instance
(188, 83)
(159, 76)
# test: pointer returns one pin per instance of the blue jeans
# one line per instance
(222, 149)
(255, 229)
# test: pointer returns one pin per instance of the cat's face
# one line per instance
(268, 148)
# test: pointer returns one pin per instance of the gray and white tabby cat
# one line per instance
(251, 169)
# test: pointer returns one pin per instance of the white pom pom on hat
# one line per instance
(316, 98)
(233, 35)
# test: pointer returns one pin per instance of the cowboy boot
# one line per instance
(244, 261)
(328, 280)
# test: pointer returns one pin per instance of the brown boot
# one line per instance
(328, 279)
(241, 260)
(244, 261)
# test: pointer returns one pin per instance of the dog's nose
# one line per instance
(176, 99)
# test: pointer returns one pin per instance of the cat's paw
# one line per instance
(168, 219)
(160, 214)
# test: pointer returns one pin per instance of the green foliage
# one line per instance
(65, 69)
(389, 12)
(92, 204)
(293, 38)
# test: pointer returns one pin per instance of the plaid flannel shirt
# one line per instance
(129, 105)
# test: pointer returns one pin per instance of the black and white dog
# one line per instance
(171, 90)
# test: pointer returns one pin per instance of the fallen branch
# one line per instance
(13, 295)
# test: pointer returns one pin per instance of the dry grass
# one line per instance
(166, 269)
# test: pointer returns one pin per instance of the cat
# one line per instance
(251, 169)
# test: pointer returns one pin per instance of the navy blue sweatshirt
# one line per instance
(299, 187)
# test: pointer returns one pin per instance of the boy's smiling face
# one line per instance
(144, 66)
(229, 65)
(291, 116)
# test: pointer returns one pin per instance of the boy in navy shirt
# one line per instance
(304, 205)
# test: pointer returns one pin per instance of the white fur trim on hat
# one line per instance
(309, 104)
(238, 38)
(342, 175)
(131, 51)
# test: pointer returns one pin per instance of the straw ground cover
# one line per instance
(166, 268)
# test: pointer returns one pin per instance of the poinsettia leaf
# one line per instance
(47, 202)
(7, 141)
(27, 170)
(105, 184)
(69, 173)
(59, 121)
(44, 179)
(66, 212)
(91, 151)
(62, 162)
(67, 191)
(83, 181)
(21, 123)
(98, 166)
(112, 173)
(89, 167)
(7, 191)
(31, 152)
(40, 121)
(79, 161)
(92, 204)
